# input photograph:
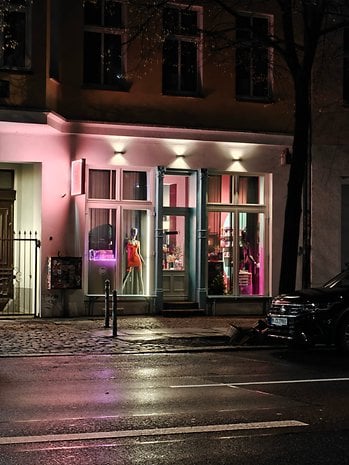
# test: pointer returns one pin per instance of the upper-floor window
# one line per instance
(15, 34)
(103, 43)
(346, 65)
(181, 51)
(253, 57)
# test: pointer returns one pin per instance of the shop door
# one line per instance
(176, 260)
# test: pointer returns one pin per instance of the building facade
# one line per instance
(166, 179)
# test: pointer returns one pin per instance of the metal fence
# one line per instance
(19, 274)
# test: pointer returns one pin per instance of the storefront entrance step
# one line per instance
(180, 305)
(183, 312)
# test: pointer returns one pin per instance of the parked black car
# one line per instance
(313, 316)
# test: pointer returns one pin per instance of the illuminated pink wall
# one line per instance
(43, 199)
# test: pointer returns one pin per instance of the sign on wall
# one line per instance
(77, 181)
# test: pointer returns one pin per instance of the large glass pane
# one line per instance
(174, 243)
(101, 249)
(134, 258)
(251, 253)
(220, 253)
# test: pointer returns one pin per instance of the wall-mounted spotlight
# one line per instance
(236, 153)
(180, 150)
(119, 152)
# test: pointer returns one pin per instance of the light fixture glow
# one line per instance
(180, 150)
(119, 146)
(236, 154)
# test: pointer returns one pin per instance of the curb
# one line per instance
(141, 351)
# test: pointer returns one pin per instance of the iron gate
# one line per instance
(19, 281)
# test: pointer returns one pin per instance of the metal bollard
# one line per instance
(106, 303)
(115, 313)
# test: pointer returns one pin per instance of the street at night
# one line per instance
(269, 406)
(174, 223)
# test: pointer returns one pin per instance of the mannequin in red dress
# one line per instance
(134, 262)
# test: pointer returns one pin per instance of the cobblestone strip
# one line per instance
(45, 338)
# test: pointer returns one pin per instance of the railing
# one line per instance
(19, 281)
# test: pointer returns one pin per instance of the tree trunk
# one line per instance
(293, 210)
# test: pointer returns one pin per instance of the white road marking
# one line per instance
(259, 383)
(148, 432)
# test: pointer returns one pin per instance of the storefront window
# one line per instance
(235, 253)
(119, 237)
(122, 258)
(251, 253)
(236, 236)
(135, 251)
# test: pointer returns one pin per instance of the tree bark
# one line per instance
(293, 210)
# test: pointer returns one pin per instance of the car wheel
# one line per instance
(342, 341)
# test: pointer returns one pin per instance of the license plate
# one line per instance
(277, 321)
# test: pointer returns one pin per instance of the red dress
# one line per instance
(133, 257)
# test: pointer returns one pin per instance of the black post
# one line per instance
(106, 303)
(115, 313)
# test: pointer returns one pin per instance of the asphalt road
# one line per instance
(249, 407)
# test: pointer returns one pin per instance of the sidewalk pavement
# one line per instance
(131, 334)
